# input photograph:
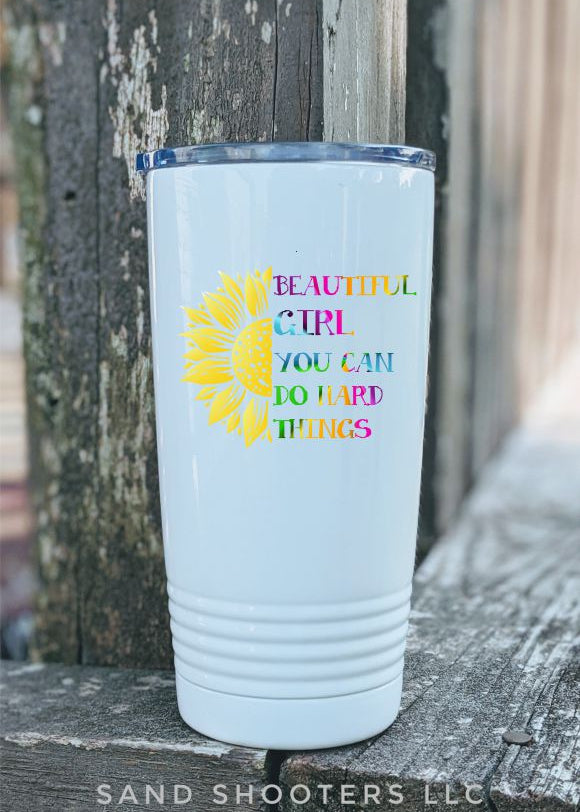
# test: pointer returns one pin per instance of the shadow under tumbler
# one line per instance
(290, 290)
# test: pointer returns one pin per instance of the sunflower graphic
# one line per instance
(230, 354)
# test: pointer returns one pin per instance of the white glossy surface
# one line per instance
(265, 542)
(289, 724)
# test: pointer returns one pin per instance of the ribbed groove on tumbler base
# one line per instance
(287, 651)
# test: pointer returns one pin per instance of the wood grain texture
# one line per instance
(491, 88)
(65, 731)
(298, 106)
(487, 364)
(550, 319)
(364, 70)
(454, 311)
(426, 125)
(525, 289)
(97, 82)
(493, 644)
(59, 213)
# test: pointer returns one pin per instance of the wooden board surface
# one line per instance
(66, 731)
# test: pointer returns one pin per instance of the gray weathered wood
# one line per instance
(551, 177)
(426, 125)
(493, 645)
(454, 310)
(59, 220)
(491, 365)
(298, 76)
(93, 83)
(491, 88)
(364, 70)
(65, 731)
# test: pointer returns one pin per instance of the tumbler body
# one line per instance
(289, 558)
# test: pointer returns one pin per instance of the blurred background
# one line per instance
(17, 578)
(490, 85)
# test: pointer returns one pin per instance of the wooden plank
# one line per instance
(426, 124)
(560, 317)
(59, 214)
(493, 644)
(110, 78)
(548, 288)
(485, 325)
(501, 80)
(507, 312)
(569, 316)
(364, 70)
(514, 24)
(298, 106)
(531, 263)
(548, 168)
(453, 362)
(66, 731)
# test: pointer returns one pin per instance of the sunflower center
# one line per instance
(252, 357)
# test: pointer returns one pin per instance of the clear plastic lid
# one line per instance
(286, 152)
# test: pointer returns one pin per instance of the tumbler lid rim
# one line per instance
(286, 152)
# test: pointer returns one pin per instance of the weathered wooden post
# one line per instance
(425, 123)
(94, 82)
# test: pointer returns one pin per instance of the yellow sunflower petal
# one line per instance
(222, 309)
(255, 295)
(195, 354)
(210, 370)
(197, 316)
(233, 421)
(224, 403)
(209, 339)
(267, 277)
(255, 421)
(206, 393)
(232, 288)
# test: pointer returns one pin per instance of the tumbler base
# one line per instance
(288, 724)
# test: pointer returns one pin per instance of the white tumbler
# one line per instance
(290, 287)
